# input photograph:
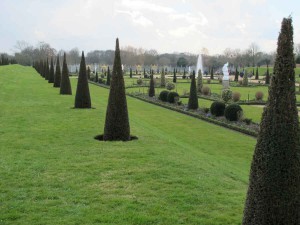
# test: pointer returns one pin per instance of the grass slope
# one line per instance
(180, 171)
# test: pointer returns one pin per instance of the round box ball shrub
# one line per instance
(226, 95)
(205, 90)
(217, 108)
(170, 86)
(139, 81)
(236, 96)
(163, 96)
(233, 112)
(171, 96)
(259, 96)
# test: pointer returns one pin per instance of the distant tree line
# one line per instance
(26, 54)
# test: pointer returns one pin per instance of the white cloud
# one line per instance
(137, 18)
(145, 5)
(198, 19)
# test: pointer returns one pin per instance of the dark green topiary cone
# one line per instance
(274, 189)
(65, 85)
(82, 98)
(117, 121)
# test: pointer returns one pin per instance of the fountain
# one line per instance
(199, 65)
(225, 79)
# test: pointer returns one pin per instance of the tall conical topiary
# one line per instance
(193, 98)
(236, 76)
(108, 76)
(212, 73)
(97, 78)
(57, 75)
(82, 98)
(51, 72)
(117, 121)
(256, 74)
(65, 85)
(151, 88)
(47, 72)
(174, 76)
(199, 81)
(245, 78)
(273, 196)
(267, 75)
(162, 78)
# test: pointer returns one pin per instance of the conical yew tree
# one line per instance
(65, 85)
(97, 78)
(174, 76)
(151, 88)
(273, 196)
(236, 76)
(57, 75)
(267, 75)
(199, 81)
(82, 98)
(162, 78)
(108, 76)
(51, 72)
(47, 72)
(212, 73)
(256, 74)
(117, 121)
(193, 98)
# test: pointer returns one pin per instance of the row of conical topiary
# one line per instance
(117, 120)
(59, 80)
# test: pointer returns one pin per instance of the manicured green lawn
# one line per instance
(181, 170)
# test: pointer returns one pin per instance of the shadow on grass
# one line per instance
(100, 138)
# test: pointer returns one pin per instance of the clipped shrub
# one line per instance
(247, 121)
(199, 81)
(245, 79)
(217, 108)
(259, 96)
(139, 81)
(233, 112)
(172, 96)
(193, 98)
(236, 96)
(170, 86)
(208, 80)
(206, 90)
(205, 110)
(163, 96)
(226, 95)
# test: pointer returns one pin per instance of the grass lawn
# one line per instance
(181, 170)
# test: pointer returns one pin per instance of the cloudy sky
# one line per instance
(164, 25)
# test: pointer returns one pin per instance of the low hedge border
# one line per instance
(189, 113)
(98, 84)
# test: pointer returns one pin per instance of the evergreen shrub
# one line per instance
(217, 108)
(233, 112)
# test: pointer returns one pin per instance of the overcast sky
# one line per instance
(164, 25)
